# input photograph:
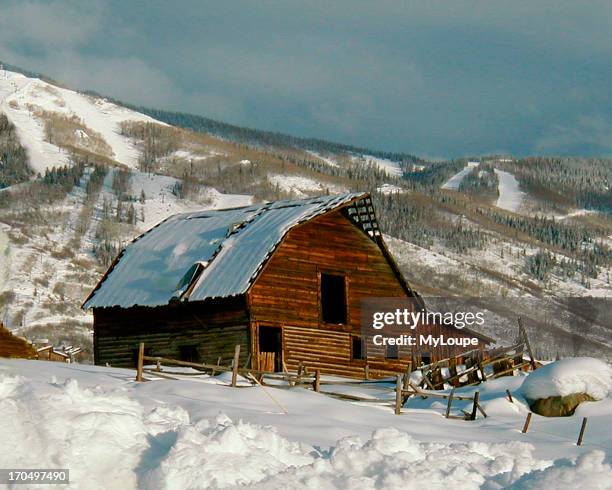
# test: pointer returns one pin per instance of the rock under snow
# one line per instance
(569, 376)
(557, 389)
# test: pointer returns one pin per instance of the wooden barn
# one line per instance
(13, 346)
(284, 280)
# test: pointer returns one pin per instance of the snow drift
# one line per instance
(108, 439)
(568, 376)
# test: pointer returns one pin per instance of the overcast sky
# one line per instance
(435, 78)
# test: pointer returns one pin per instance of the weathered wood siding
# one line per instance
(214, 327)
(286, 293)
(12, 346)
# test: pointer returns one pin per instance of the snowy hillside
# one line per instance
(119, 172)
(497, 276)
(510, 196)
(198, 433)
(28, 103)
(39, 275)
(454, 182)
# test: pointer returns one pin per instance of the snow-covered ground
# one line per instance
(455, 181)
(510, 196)
(391, 168)
(301, 186)
(199, 433)
(329, 161)
(390, 189)
(20, 96)
(575, 214)
(42, 154)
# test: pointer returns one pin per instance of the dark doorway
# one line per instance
(333, 298)
(270, 349)
(358, 348)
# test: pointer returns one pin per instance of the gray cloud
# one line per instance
(444, 78)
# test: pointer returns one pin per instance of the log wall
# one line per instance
(285, 295)
(214, 328)
(12, 346)
(287, 291)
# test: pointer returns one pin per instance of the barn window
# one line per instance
(425, 358)
(189, 353)
(333, 298)
(358, 347)
(392, 352)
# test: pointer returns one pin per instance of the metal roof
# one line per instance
(227, 247)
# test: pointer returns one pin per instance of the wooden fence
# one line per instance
(404, 388)
(473, 367)
(302, 377)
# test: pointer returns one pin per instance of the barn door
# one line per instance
(270, 349)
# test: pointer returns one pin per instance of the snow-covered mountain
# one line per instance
(29, 102)
(59, 231)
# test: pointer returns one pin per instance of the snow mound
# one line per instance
(109, 440)
(223, 454)
(588, 471)
(392, 459)
(569, 376)
(96, 434)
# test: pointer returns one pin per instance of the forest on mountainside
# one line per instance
(421, 213)
(481, 181)
(262, 138)
(582, 182)
(14, 167)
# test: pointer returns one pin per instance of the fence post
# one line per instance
(526, 426)
(398, 394)
(140, 364)
(450, 401)
(406, 380)
(235, 366)
(582, 429)
(523, 331)
(366, 371)
(482, 371)
(317, 381)
(300, 371)
(475, 406)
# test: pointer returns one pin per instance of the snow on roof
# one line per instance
(231, 246)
